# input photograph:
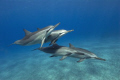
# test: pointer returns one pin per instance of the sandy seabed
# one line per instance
(37, 65)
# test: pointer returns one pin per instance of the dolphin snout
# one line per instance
(70, 30)
(57, 25)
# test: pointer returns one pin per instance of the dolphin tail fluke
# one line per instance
(10, 44)
(100, 58)
(35, 49)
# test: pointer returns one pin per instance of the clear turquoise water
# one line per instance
(96, 28)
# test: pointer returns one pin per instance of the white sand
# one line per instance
(36, 65)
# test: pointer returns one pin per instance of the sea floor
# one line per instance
(37, 65)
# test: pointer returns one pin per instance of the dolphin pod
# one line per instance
(48, 34)
(42, 36)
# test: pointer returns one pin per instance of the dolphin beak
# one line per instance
(70, 31)
(56, 25)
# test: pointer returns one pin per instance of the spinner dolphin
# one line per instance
(70, 51)
(36, 37)
(55, 35)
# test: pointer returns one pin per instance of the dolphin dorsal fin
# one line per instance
(71, 46)
(26, 32)
(38, 29)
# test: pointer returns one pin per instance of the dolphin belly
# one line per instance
(33, 40)
(60, 54)
(61, 51)
(78, 56)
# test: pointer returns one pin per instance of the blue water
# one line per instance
(96, 25)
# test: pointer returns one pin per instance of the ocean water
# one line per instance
(96, 25)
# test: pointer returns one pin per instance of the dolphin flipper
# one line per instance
(65, 56)
(81, 60)
(43, 40)
(54, 40)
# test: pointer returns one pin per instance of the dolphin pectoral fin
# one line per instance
(43, 40)
(81, 60)
(53, 42)
(65, 56)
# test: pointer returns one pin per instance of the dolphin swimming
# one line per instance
(55, 35)
(36, 37)
(70, 51)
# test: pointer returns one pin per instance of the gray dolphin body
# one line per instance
(37, 37)
(55, 35)
(70, 51)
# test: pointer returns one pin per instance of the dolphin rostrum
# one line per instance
(37, 37)
(55, 35)
(70, 51)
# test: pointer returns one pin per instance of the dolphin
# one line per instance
(36, 37)
(70, 51)
(55, 35)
